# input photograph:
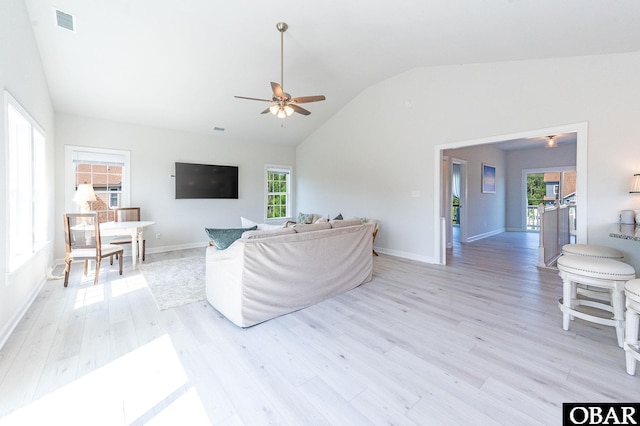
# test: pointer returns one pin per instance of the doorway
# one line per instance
(458, 203)
(440, 233)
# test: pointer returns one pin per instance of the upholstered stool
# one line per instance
(631, 343)
(607, 274)
(592, 250)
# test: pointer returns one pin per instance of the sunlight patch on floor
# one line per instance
(96, 293)
(146, 385)
(89, 295)
(127, 285)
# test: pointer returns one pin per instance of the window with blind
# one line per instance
(106, 170)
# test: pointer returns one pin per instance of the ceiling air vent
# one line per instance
(65, 20)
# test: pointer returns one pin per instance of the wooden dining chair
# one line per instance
(127, 214)
(82, 242)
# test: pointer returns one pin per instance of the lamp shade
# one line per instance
(84, 193)
(635, 185)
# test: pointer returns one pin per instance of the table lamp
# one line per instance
(84, 194)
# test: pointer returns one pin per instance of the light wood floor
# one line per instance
(478, 341)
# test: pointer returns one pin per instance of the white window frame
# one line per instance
(27, 226)
(278, 169)
(73, 152)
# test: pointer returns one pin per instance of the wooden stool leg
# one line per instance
(631, 340)
(567, 301)
(617, 303)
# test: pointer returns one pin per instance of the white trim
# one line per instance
(582, 130)
(282, 168)
(15, 263)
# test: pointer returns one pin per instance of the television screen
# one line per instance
(206, 181)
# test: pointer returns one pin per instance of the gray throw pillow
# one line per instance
(305, 217)
(224, 237)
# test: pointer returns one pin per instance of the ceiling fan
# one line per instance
(282, 104)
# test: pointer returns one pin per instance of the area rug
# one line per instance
(175, 282)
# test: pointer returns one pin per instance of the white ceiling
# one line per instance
(178, 64)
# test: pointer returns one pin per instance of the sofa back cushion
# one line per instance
(266, 233)
(345, 222)
(309, 227)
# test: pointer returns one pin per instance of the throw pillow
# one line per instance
(305, 218)
(223, 238)
(324, 218)
(339, 217)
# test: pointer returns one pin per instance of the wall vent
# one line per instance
(65, 20)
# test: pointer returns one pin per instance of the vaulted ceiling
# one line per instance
(178, 64)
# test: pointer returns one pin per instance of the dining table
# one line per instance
(134, 228)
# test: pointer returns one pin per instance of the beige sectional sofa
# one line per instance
(268, 273)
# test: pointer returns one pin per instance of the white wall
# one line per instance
(564, 156)
(21, 74)
(485, 213)
(372, 156)
(154, 151)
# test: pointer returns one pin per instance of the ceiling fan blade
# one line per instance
(266, 111)
(299, 110)
(307, 99)
(253, 99)
(277, 90)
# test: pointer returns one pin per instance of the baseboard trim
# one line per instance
(485, 235)
(8, 329)
(407, 255)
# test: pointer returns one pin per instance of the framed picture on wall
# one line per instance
(488, 179)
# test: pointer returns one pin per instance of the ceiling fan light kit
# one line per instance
(282, 104)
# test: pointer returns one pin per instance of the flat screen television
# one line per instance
(206, 181)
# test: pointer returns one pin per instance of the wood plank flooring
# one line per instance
(478, 341)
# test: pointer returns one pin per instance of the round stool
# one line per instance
(592, 250)
(631, 343)
(607, 274)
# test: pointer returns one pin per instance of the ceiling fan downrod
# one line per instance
(282, 27)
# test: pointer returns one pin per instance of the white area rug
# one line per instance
(175, 282)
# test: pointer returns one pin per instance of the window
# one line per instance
(107, 170)
(555, 189)
(26, 180)
(278, 200)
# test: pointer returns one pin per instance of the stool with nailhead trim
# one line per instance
(606, 274)
(593, 250)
